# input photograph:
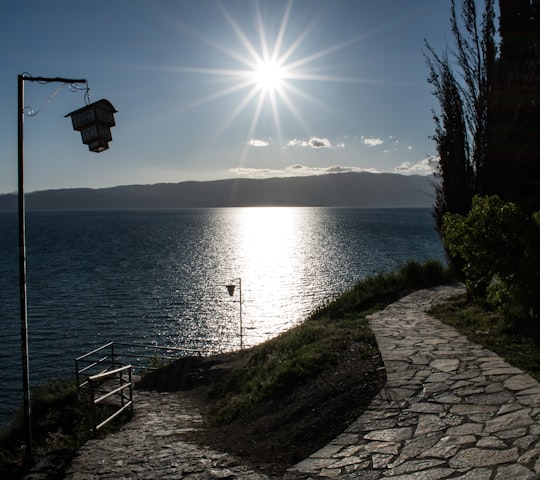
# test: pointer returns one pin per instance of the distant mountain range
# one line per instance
(363, 189)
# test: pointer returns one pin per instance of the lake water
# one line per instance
(159, 276)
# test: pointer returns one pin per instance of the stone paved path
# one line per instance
(450, 410)
(152, 447)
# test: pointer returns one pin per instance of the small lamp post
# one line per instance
(230, 289)
(96, 135)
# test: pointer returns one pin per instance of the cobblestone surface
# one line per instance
(450, 410)
(151, 446)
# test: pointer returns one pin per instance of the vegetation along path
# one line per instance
(450, 410)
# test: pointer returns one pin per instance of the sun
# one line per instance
(269, 76)
(266, 72)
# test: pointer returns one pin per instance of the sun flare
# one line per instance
(266, 73)
(269, 75)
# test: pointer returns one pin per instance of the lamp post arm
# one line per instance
(53, 79)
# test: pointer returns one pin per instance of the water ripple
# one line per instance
(160, 276)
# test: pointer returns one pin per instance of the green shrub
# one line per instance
(60, 420)
(499, 246)
(420, 275)
(54, 410)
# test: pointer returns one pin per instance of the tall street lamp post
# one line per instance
(94, 122)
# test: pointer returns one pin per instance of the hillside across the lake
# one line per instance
(368, 190)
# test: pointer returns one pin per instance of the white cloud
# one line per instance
(424, 167)
(258, 143)
(296, 143)
(372, 142)
(296, 171)
(313, 142)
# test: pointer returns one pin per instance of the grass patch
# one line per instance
(379, 290)
(518, 346)
(283, 363)
(301, 353)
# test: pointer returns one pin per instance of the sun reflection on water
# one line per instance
(270, 254)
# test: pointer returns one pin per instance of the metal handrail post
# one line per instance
(78, 378)
(130, 390)
(121, 388)
(92, 408)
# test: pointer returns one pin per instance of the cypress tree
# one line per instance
(461, 126)
(516, 107)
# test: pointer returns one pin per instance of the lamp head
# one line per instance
(94, 121)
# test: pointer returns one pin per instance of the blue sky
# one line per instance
(342, 87)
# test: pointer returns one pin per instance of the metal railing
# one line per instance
(107, 374)
(141, 357)
(110, 387)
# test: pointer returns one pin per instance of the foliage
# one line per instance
(375, 290)
(280, 363)
(498, 244)
(59, 421)
(461, 126)
(486, 136)
(489, 99)
(300, 353)
(515, 117)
